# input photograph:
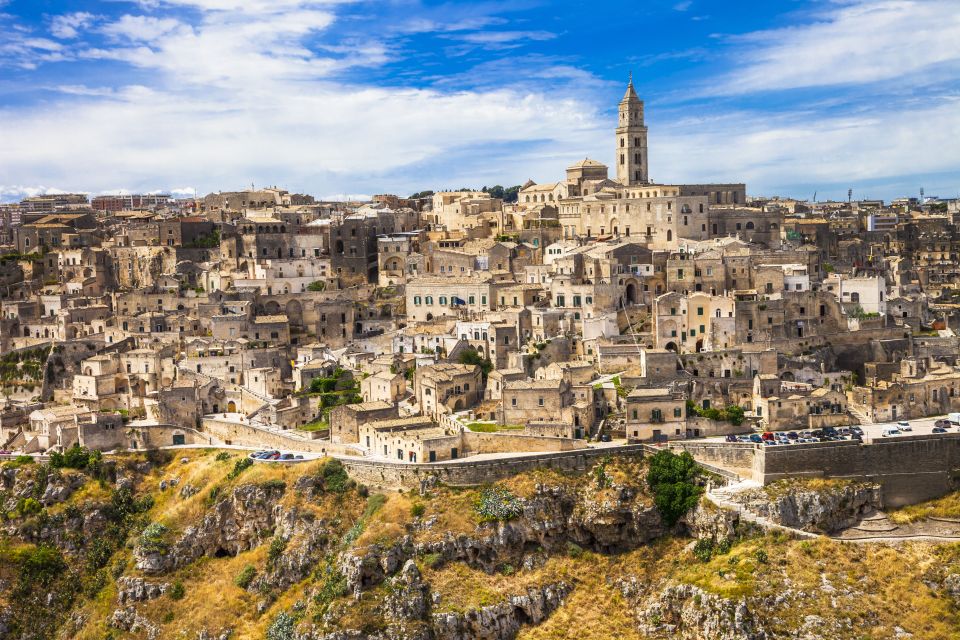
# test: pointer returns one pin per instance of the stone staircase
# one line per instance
(722, 498)
(860, 414)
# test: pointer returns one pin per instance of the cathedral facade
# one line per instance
(589, 204)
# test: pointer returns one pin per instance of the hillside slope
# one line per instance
(199, 545)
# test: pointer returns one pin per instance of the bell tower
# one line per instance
(631, 152)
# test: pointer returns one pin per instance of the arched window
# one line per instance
(750, 226)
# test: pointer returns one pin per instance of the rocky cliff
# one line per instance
(203, 546)
(824, 506)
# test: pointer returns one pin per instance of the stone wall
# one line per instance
(910, 469)
(736, 456)
(474, 443)
(232, 432)
(397, 475)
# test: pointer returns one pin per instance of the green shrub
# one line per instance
(600, 476)
(761, 556)
(433, 560)
(672, 479)
(282, 627)
(497, 504)
(177, 591)
(334, 478)
(277, 545)
(417, 509)
(22, 460)
(223, 455)
(723, 546)
(76, 457)
(245, 577)
(28, 507)
(239, 467)
(40, 565)
(574, 550)
(703, 550)
(153, 539)
(274, 485)
(331, 584)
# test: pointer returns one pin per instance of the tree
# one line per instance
(672, 478)
(472, 356)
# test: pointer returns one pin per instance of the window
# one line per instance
(677, 412)
(513, 402)
(540, 402)
(699, 311)
(443, 299)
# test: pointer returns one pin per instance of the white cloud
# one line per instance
(141, 28)
(502, 37)
(68, 25)
(683, 6)
(324, 137)
(224, 49)
(771, 153)
(862, 41)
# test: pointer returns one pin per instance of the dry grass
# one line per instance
(455, 513)
(391, 520)
(946, 507)
(819, 485)
(463, 588)
(861, 591)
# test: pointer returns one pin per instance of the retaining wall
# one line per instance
(910, 469)
(399, 475)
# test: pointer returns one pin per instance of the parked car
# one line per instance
(939, 430)
(942, 424)
(793, 435)
(903, 425)
(732, 438)
(856, 430)
(755, 437)
(286, 456)
(605, 437)
(890, 431)
(766, 435)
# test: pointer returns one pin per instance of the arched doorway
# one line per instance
(231, 407)
(671, 346)
(631, 293)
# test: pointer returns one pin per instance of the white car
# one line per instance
(890, 431)
(903, 425)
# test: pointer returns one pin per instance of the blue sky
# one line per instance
(341, 97)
